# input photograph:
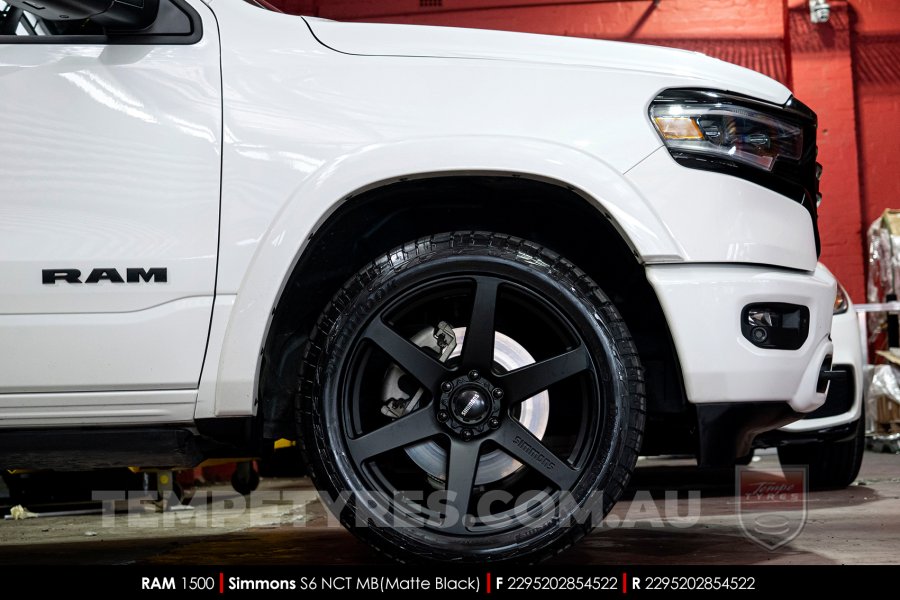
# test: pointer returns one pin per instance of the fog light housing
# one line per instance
(775, 325)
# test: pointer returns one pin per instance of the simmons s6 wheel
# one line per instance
(469, 397)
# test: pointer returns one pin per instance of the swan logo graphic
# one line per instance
(771, 507)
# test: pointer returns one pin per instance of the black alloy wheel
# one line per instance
(471, 396)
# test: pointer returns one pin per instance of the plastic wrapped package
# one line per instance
(883, 272)
(883, 396)
(870, 401)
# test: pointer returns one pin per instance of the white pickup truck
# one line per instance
(474, 273)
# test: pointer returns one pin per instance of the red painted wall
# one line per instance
(822, 76)
(876, 66)
(848, 70)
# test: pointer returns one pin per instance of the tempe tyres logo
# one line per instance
(771, 507)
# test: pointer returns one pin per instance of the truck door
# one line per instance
(109, 201)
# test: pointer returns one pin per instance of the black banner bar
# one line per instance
(504, 580)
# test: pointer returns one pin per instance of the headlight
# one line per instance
(771, 145)
(715, 125)
(841, 304)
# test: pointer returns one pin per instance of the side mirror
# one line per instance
(110, 14)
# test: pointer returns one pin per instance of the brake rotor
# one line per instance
(400, 398)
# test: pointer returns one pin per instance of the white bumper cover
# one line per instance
(703, 305)
(848, 350)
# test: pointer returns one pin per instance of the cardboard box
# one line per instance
(887, 410)
(887, 419)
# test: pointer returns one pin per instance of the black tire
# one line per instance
(245, 479)
(361, 459)
(285, 462)
(13, 485)
(745, 460)
(831, 465)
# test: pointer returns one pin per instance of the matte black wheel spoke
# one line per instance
(461, 469)
(527, 381)
(478, 347)
(521, 443)
(412, 359)
(406, 430)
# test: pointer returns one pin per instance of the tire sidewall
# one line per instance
(560, 284)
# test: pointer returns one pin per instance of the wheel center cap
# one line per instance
(470, 406)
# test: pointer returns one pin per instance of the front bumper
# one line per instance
(845, 398)
(703, 304)
(784, 437)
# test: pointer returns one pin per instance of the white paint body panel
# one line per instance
(97, 408)
(109, 158)
(719, 218)
(206, 395)
(298, 128)
(848, 350)
(405, 40)
(307, 126)
(106, 351)
(703, 304)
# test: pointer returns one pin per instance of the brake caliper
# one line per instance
(401, 392)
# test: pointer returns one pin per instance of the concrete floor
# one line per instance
(860, 524)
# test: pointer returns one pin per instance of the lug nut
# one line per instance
(467, 434)
(494, 423)
(446, 386)
(497, 393)
(473, 375)
(443, 415)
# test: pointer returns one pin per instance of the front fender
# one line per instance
(310, 205)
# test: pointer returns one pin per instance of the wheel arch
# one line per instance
(383, 217)
(349, 188)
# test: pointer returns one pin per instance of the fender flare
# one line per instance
(316, 199)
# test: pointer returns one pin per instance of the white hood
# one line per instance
(369, 39)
